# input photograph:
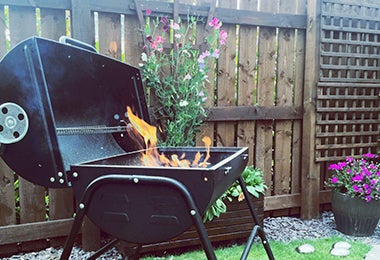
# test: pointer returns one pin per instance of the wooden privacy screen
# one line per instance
(348, 112)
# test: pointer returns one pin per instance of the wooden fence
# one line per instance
(265, 96)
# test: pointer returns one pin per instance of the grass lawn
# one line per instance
(281, 251)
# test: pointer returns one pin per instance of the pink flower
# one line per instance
(203, 96)
(204, 55)
(175, 26)
(154, 45)
(148, 11)
(223, 37)
(157, 44)
(334, 179)
(216, 53)
(159, 39)
(215, 23)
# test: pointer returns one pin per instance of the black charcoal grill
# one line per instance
(63, 124)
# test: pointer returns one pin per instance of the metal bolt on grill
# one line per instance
(63, 124)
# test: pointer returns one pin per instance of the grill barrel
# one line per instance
(150, 213)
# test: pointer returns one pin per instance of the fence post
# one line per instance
(310, 169)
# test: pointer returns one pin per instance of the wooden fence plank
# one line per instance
(22, 23)
(61, 206)
(265, 91)
(82, 21)
(83, 29)
(110, 35)
(292, 200)
(237, 16)
(32, 202)
(247, 85)
(133, 38)
(53, 26)
(226, 80)
(56, 4)
(248, 113)
(35, 231)
(32, 209)
(2, 32)
(53, 23)
(298, 94)
(284, 97)
(7, 195)
(208, 128)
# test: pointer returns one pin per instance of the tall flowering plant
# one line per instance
(175, 73)
(357, 177)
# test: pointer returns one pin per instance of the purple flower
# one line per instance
(372, 166)
(370, 155)
(201, 58)
(338, 166)
(357, 178)
(368, 198)
(356, 188)
(334, 180)
(166, 23)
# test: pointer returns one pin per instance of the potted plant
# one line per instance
(356, 194)
(253, 179)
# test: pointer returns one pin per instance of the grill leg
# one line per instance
(73, 233)
(257, 229)
(104, 249)
(207, 247)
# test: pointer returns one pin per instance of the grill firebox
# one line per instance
(63, 124)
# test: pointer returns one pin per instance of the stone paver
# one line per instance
(374, 253)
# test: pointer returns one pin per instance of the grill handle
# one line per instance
(70, 41)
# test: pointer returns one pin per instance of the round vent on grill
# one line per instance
(13, 123)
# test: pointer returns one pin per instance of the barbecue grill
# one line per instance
(63, 124)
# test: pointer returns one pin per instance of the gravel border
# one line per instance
(283, 229)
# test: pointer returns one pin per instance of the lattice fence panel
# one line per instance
(348, 112)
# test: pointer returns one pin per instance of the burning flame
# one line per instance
(151, 157)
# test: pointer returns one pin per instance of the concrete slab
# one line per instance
(374, 253)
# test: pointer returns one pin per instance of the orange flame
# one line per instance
(151, 156)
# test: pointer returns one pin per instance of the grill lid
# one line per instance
(62, 105)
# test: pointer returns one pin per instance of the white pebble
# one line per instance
(305, 249)
(339, 252)
(342, 245)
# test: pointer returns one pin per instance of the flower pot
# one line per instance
(354, 216)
